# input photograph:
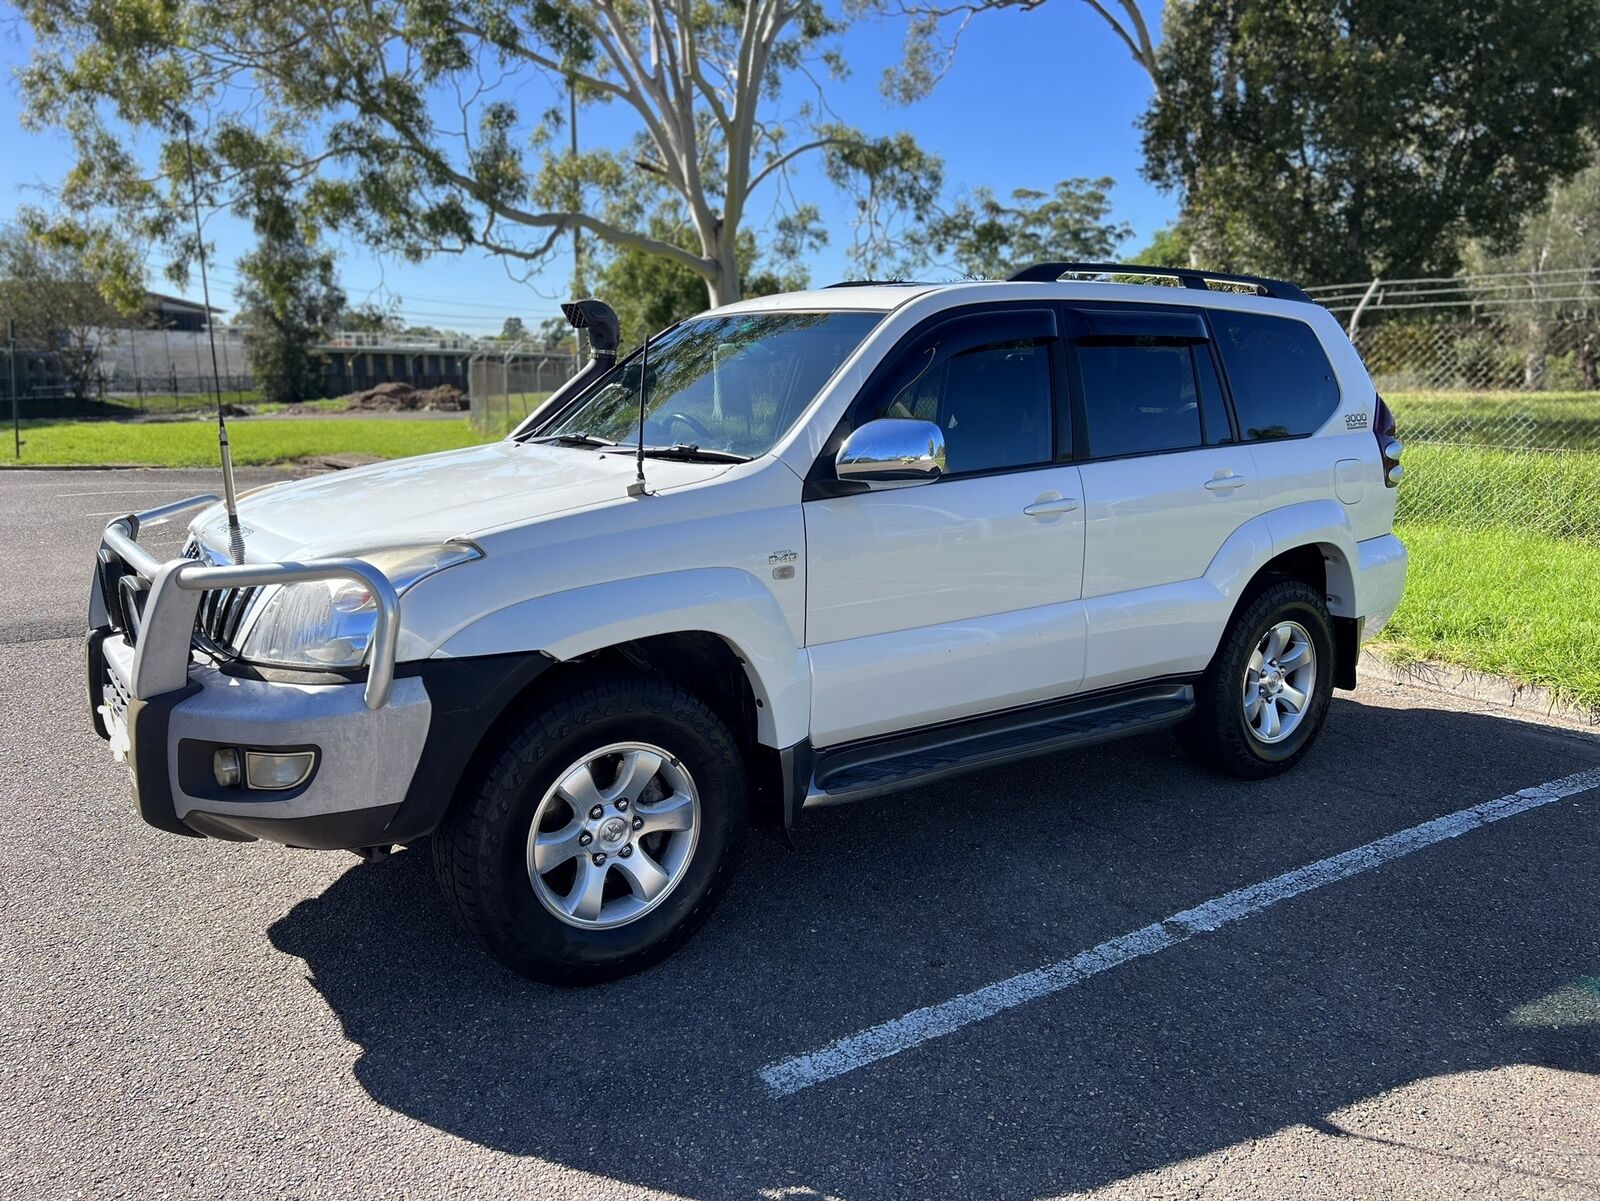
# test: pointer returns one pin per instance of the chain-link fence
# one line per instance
(506, 385)
(1495, 385)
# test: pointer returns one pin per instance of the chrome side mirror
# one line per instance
(892, 452)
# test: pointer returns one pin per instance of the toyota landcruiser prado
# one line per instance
(884, 533)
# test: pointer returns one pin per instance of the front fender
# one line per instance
(724, 601)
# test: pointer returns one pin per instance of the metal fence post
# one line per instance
(11, 364)
(1355, 317)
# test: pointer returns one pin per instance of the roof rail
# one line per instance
(1190, 278)
(872, 283)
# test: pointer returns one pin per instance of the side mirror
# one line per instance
(892, 452)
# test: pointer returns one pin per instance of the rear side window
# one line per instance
(1283, 385)
(1139, 397)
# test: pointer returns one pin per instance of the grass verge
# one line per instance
(1511, 602)
(194, 443)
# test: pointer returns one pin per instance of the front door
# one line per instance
(941, 601)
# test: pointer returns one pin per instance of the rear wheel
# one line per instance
(599, 835)
(1265, 694)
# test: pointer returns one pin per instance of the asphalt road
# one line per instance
(190, 1018)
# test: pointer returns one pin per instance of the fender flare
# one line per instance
(1318, 523)
(723, 601)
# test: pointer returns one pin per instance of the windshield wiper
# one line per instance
(692, 453)
(575, 438)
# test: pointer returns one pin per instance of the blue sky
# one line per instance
(1033, 98)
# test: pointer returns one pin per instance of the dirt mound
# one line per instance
(397, 397)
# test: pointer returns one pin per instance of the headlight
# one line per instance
(329, 623)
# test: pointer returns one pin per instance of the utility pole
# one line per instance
(577, 234)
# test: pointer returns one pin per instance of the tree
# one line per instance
(650, 293)
(1169, 247)
(1331, 140)
(1549, 282)
(984, 238)
(555, 334)
(512, 329)
(934, 29)
(56, 290)
(399, 120)
(289, 301)
(371, 318)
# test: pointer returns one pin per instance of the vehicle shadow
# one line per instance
(1410, 972)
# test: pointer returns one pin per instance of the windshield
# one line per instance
(732, 384)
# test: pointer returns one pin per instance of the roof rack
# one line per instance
(1050, 272)
(872, 283)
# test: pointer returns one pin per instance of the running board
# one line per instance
(854, 771)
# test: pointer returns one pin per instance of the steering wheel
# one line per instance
(691, 422)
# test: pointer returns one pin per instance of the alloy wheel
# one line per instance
(613, 836)
(1279, 681)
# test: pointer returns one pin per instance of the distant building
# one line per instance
(176, 313)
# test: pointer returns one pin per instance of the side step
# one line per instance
(854, 771)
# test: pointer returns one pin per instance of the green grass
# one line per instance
(1512, 420)
(194, 443)
(502, 414)
(1504, 601)
(1553, 493)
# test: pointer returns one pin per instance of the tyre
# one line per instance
(599, 833)
(1265, 694)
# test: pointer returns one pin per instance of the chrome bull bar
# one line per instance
(165, 635)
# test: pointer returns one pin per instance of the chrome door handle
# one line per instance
(1044, 508)
(1225, 483)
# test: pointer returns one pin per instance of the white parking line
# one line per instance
(117, 492)
(935, 1021)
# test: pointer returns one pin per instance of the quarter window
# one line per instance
(1139, 397)
(1283, 385)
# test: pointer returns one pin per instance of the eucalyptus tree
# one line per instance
(424, 126)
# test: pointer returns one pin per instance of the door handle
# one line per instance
(1045, 508)
(1225, 483)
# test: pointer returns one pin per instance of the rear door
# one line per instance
(1284, 390)
(1165, 482)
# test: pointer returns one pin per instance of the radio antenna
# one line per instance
(637, 488)
(230, 499)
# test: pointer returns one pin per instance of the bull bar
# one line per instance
(164, 639)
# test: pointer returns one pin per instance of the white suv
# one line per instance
(886, 533)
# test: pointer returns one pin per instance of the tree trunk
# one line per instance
(724, 288)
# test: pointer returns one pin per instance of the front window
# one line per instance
(732, 384)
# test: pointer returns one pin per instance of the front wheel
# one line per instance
(599, 834)
(1265, 694)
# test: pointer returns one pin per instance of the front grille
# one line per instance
(114, 695)
(222, 611)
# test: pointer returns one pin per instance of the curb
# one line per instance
(1474, 685)
(88, 467)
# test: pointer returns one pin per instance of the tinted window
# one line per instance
(1282, 383)
(1213, 411)
(1138, 398)
(993, 403)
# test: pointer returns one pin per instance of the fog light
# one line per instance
(1396, 473)
(225, 766)
(276, 771)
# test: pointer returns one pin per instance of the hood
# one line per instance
(434, 498)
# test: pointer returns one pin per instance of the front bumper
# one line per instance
(366, 759)
(166, 709)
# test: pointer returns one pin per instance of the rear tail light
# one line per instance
(1389, 446)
